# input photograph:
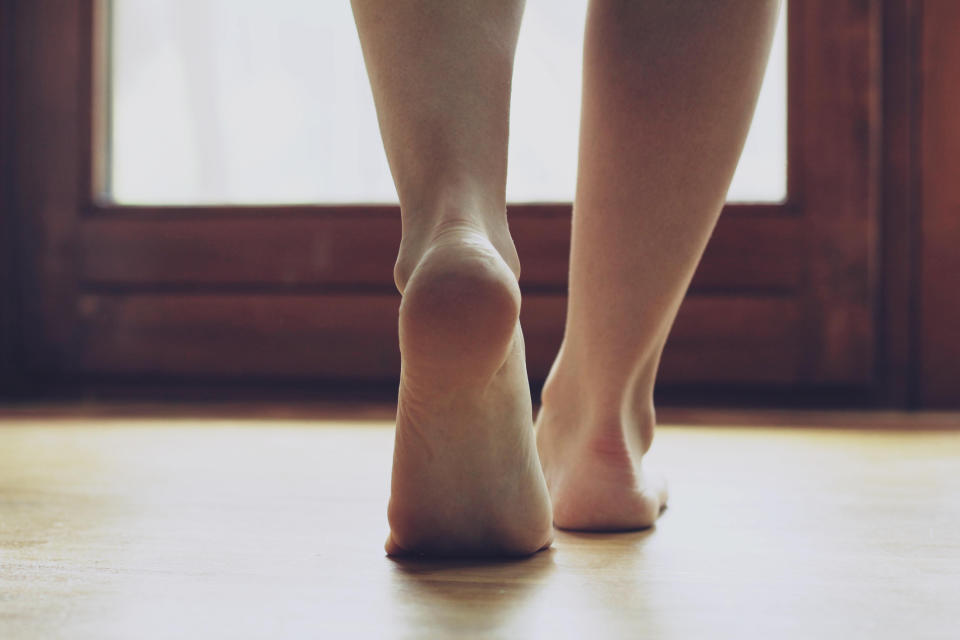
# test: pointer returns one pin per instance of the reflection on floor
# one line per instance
(124, 527)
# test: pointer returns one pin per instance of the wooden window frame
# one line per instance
(812, 298)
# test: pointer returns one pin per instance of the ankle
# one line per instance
(426, 230)
(601, 413)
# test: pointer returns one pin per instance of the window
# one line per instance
(227, 253)
(245, 102)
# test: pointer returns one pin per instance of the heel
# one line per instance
(459, 310)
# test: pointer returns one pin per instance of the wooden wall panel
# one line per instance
(10, 356)
(49, 151)
(348, 336)
(840, 111)
(940, 193)
(354, 336)
(900, 214)
(747, 253)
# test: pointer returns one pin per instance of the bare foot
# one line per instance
(466, 475)
(593, 470)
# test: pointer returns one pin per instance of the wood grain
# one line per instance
(898, 305)
(840, 110)
(354, 336)
(940, 155)
(49, 155)
(227, 528)
(748, 253)
(11, 356)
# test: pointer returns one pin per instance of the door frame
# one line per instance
(814, 299)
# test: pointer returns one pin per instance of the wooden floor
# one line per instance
(123, 527)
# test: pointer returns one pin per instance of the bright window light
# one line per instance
(252, 102)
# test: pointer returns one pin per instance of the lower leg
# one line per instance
(441, 73)
(466, 475)
(669, 92)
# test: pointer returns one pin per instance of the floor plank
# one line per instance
(114, 526)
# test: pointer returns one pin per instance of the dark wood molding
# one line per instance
(840, 111)
(11, 358)
(746, 254)
(897, 311)
(353, 336)
(940, 198)
(49, 150)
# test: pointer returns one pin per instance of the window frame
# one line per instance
(792, 298)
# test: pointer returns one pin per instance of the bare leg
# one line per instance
(466, 475)
(669, 92)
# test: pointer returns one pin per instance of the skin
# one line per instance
(669, 92)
